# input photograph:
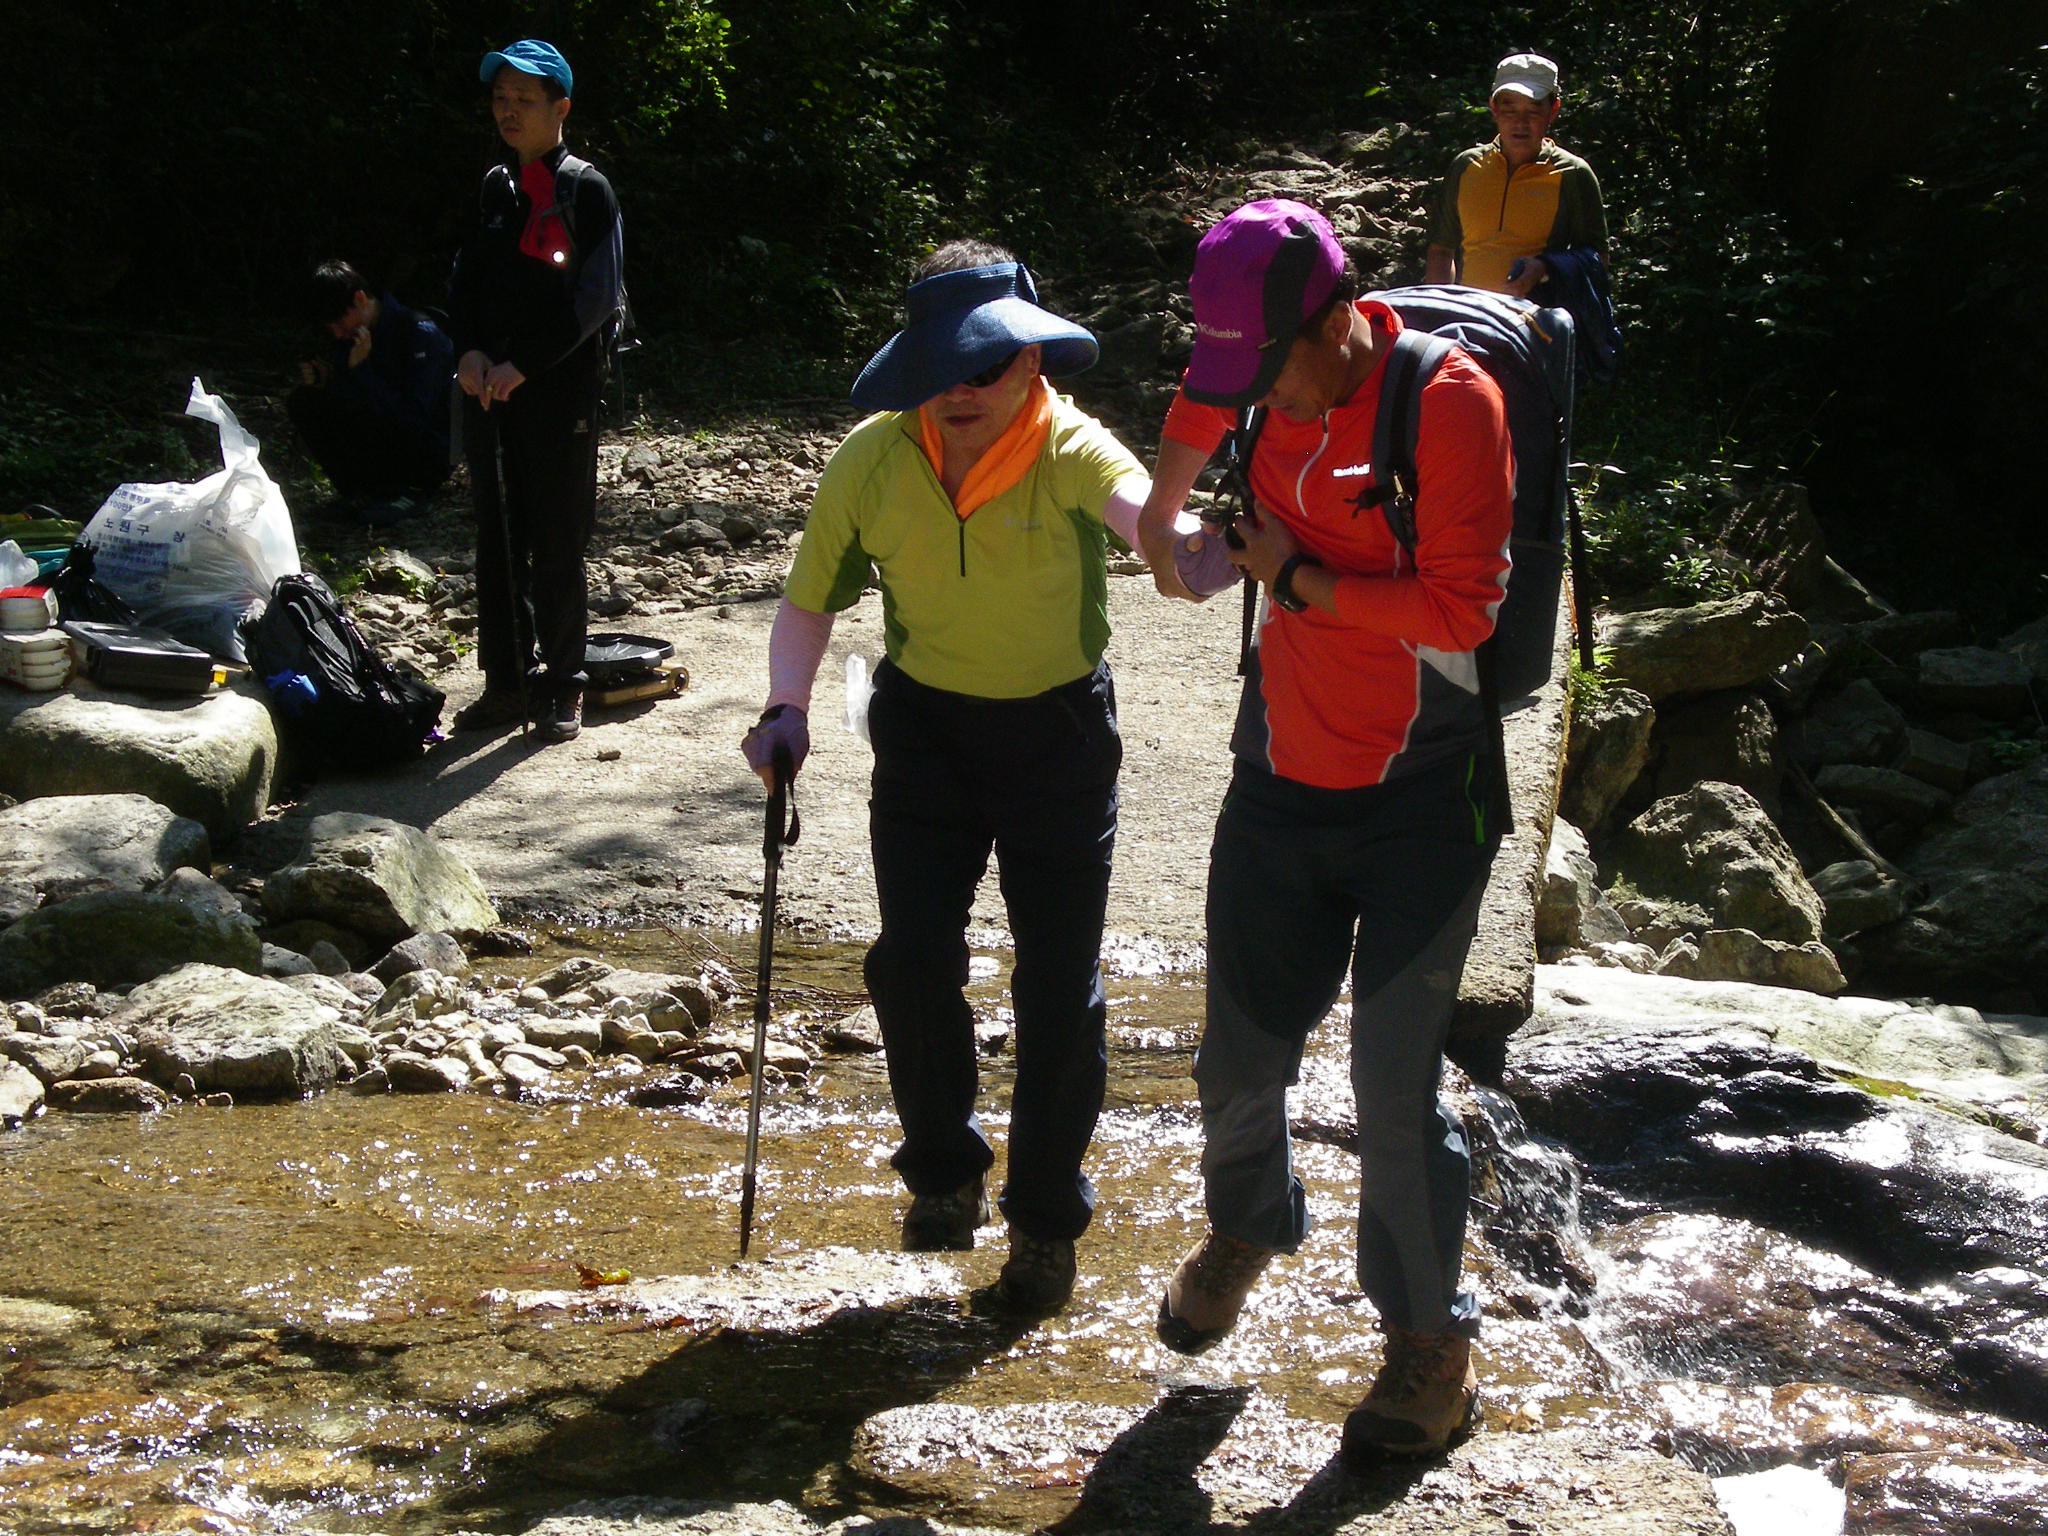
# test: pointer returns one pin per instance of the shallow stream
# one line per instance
(437, 1313)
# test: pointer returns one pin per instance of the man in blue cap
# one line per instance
(983, 502)
(534, 303)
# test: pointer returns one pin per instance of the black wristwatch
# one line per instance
(1283, 580)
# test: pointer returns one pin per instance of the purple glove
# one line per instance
(1202, 561)
(785, 726)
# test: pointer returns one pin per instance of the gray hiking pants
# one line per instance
(1303, 882)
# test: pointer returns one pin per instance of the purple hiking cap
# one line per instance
(1258, 275)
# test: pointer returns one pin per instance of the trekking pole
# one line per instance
(1582, 594)
(778, 835)
(512, 583)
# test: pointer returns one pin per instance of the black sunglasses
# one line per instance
(990, 374)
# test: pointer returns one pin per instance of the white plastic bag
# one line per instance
(16, 569)
(858, 691)
(193, 559)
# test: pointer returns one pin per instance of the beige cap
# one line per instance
(1527, 74)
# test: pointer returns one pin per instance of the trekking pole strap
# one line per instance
(784, 825)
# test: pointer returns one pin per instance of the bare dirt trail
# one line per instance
(651, 812)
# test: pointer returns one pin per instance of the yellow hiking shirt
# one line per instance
(1003, 604)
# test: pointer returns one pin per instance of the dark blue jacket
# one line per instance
(405, 381)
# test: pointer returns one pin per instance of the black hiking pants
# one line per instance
(533, 472)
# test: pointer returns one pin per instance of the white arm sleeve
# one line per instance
(796, 645)
(1120, 512)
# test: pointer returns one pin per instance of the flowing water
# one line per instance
(430, 1313)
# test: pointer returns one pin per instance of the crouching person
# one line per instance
(980, 498)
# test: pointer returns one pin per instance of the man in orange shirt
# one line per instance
(1360, 821)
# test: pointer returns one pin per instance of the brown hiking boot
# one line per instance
(1036, 1280)
(1424, 1400)
(1207, 1292)
(946, 1222)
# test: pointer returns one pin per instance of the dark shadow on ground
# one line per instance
(747, 1415)
(1146, 1480)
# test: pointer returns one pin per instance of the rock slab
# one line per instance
(380, 878)
(235, 1033)
(209, 758)
(61, 846)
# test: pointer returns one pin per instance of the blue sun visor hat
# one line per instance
(531, 56)
(960, 323)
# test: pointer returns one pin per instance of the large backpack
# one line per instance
(1528, 351)
(338, 703)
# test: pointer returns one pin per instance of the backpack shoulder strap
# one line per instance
(1412, 363)
(1238, 448)
(568, 175)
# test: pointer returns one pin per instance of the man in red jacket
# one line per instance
(1359, 824)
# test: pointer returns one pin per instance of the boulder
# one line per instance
(204, 893)
(1713, 847)
(411, 1072)
(118, 938)
(559, 1034)
(1858, 895)
(1703, 1108)
(1881, 796)
(1736, 954)
(246, 1035)
(52, 1058)
(2030, 643)
(1610, 743)
(21, 1094)
(1855, 724)
(1736, 642)
(208, 758)
(415, 995)
(1940, 1493)
(1901, 636)
(1729, 737)
(1981, 934)
(1792, 687)
(61, 846)
(1976, 681)
(1935, 760)
(422, 952)
(379, 878)
(1571, 912)
(670, 1001)
(111, 1096)
(282, 963)
(573, 974)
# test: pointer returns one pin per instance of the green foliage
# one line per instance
(2012, 749)
(58, 445)
(1588, 688)
(1651, 541)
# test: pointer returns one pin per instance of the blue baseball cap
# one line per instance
(531, 56)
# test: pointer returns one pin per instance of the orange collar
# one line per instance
(1008, 459)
